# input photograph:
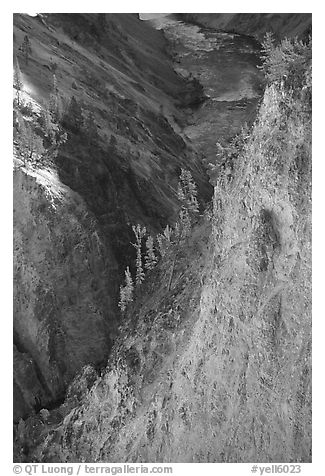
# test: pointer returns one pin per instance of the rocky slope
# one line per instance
(213, 363)
(282, 25)
(73, 213)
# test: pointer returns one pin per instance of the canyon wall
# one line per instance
(70, 252)
(213, 362)
(281, 25)
(63, 313)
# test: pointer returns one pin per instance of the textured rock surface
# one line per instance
(73, 221)
(214, 362)
(62, 312)
(255, 24)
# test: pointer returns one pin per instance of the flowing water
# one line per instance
(226, 66)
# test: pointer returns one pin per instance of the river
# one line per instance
(226, 65)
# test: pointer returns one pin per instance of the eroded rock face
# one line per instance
(63, 315)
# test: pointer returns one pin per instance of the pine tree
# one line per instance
(185, 222)
(267, 45)
(126, 291)
(30, 145)
(180, 193)
(73, 118)
(53, 66)
(187, 195)
(187, 191)
(150, 258)
(177, 231)
(122, 301)
(18, 82)
(26, 49)
(193, 204)
(139, 234)
(44, 119)
(164, 240)
(54, 101)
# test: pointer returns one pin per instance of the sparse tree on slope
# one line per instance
(150, 258)
(187, 195)
(26, 49)
(187, 192)
(185, 222)
(29, 144)
(18, 82)
(73, 119)
(54, 101)
(139, 234)
(126, 291)
(164, 240)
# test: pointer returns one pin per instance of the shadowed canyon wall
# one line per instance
(73, 213)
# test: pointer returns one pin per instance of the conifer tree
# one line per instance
(267, 45)
(185, 222)
(122, 301)
(30, 145)
(53, 66)
(187, 195)
(139, 234)
(18, 82)
(177, 231)
(187, 192)
(26, 49)
(180, 193)
(45, 119)
(54, 101)
(164, 240)
(168, 233)
(73, 118)
(126, 291)
(150, 258)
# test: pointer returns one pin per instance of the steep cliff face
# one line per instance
(73, 212)
(63, 314)
(282, 25)
(213, 361)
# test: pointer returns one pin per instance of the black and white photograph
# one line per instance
(162, 240)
